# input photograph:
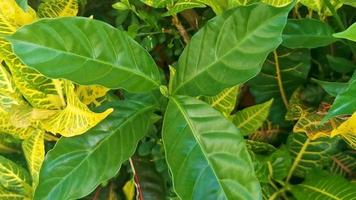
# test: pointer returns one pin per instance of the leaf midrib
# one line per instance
(33, 45)
(141, 111)
(187, 119)
(227, 53)
(320, 191)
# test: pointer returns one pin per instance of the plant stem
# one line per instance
(297, 159)
(180, 28)
(137, 180)
(279, 79)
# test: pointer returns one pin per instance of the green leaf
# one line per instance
(260, 147)
(22, 4)
(250, 119)
(225, 101)
(349, 2)
(13, 177)
(71, 163)
(349, 33)
(282, 73)
(309, 154)
(10, 195)
(320, 6)
(182, 5)
(100, 54)
(223, 54)
(307, 33)
(206, 153)
(157, 3)
(344, 164)
(332, 88)
(320, 185)
(340, 64)
(345, 101)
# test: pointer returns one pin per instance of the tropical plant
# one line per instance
(115, 100)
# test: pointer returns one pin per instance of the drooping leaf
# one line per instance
(310, 124)
(349, 33)
(345, 101)
(70, 163)
(225, 101)
(321, 185)
(99, 54)
(344, 164)
(219, 55)
(250, 119)
(12, 17)
(282, 73)
(14, 177)
(206, 153)
(308, 154)
(307, 33)
(34, 151)
(341, 64)
(91, 94)
(75, 119)
(332, 88)
(57, 8)
(347, 130)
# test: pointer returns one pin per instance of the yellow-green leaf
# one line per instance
(91, 94)
(13, 177)
(225, 101)
(250, 119)
(277, 3)
(12, 17)
(129, 189)
(10, 195)
(320, 7)
(6, 126)
(57, 8)
(34, 151)
(310, 124)
(75, 118)
(347, 130)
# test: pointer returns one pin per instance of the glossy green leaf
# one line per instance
(345, 101)
(250, 119)
(340, 64)
(320, 185)
(279, 81)
(225, 101)
(206, 153)
(332, 88)
(309, 154)
(99, 54)
(307, 33)
(22, 4)
(349, 33)
(75, 161)
(223, 54)
(14, 177)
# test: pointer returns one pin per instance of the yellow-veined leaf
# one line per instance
(91, 94)
(12, 17)
(277, 3)
(225, 101)
(75, 118)
(9, 94)
(347, 130)
(39, 91)
(13, 177)
(320, 7)
(11, 195)
(6, 126)
(296, 106)
(34, 151)
(250, 119)
(310, 124)
(57, 8)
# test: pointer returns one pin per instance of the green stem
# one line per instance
(336, 16)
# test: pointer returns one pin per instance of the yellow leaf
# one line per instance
(57, 8)
(12, 17)
(129, 189)
(34, 151)
(91, 94)
(310, 124)
(347, 130)
(76, 118)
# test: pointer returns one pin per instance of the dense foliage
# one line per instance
(177, 99)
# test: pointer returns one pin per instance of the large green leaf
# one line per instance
(307, 33)
(309, 154)
(349, 33)
(77, 165)
(320, 185)
(14, 177)
(206, 153)
(93, 53)
(282, 73)
(332, 88)
(229, 50)
(250, 119)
